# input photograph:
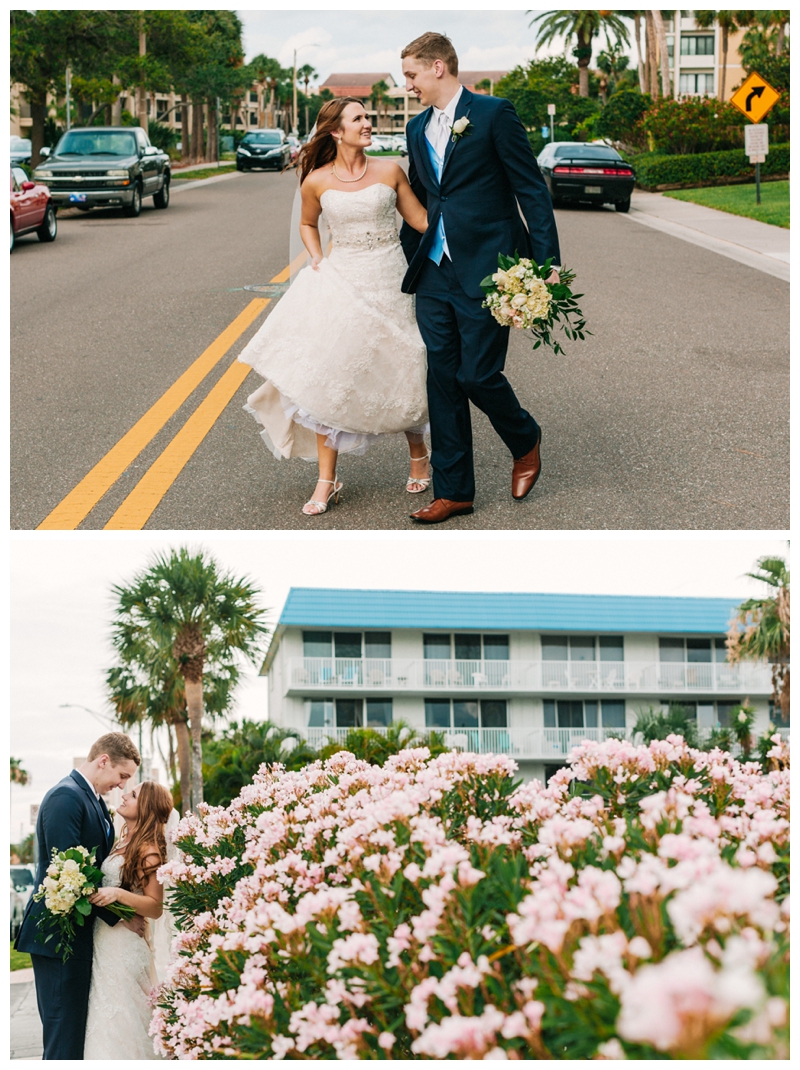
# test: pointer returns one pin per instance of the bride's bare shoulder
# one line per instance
(317, 182)
(388, 171)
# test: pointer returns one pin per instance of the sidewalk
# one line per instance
(26, 1029)
(759, 245)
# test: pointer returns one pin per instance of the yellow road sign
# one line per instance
(755, 98)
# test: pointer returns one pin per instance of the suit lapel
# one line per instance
(462, 109)
(99, 807)
(422, 148)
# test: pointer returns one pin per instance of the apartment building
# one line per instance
(528, 675)
(696, 64)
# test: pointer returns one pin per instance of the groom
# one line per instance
(73, 814)
(470, 164)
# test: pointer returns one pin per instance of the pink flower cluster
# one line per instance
(369, 889)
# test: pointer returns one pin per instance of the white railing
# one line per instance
(544, 744)
(433, 674)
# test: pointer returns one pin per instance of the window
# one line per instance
(583, 648)
(698, 650)
(436, 646)
(320, 712)
(162, 107)
(696, 84)
(671, 650)
(697, 46)
(347, 644)
(495, 648)
(694, 651)
(724, 710)
(468, 647)
(441, 713)
(576, 713)
(253, 119)
(379, 712)
(253, 98)
(377, 644)
(348, 713)
(317, 645)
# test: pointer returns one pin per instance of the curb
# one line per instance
(21, 977)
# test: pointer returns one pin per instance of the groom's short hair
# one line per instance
(430, 47)
(118, 746)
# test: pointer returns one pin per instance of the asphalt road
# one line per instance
(674, 414)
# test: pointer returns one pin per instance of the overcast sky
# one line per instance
(61, 603)
(355, 40)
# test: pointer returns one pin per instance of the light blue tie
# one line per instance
(436, 251)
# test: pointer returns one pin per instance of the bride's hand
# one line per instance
(103, 897)
(315, 262)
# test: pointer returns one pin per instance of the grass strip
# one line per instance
(20, 960)
(741, 200)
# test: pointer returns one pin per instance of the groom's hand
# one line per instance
(135, 924)
(553, 278)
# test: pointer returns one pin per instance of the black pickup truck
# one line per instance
(105, 166)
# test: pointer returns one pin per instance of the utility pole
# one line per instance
(142, 93)
(294, 94)
(68, 102)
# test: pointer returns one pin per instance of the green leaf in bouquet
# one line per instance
(488, 284)
(505, 262)
(83, 907)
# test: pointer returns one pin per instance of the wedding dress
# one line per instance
(341, 353)
(122, 976)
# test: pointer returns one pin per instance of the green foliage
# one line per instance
(740, 199)
(705, 169)
(24, 850)
(620, 118)
(655, 724)
(742, 718)
(233, 759)
(162, 136)
(375, 747)
(693, 124)
(20, 960)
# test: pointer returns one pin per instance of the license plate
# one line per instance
(77, 198)
(592, 189)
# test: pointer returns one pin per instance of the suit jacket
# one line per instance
(70, 816)
(486, 174)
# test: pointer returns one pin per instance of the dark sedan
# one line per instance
(266, 149)
(596, 174)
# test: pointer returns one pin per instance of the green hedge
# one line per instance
(705, 168)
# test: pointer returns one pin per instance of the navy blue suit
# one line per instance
(70, 816)
(486, 175)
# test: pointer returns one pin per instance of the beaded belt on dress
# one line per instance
(369, 241)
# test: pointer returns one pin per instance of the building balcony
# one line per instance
(331, 676)
(525, 744)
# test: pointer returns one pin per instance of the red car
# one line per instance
(31, 210)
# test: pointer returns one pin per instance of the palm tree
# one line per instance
(273, 73)
(584, 26)
(18, 774)
(637, 33)
(612, 63)
(380, 100)
(305, 74)
(760, 630)
(260, 68)
(184, 605)
(728, 22)
(661, 35)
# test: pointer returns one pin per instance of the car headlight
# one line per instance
(244, 152)
(117, 174)
(42, 174)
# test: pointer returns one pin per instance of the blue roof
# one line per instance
(463, 610)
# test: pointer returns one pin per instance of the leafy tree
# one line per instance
(584, 26)
(655, 724)
(728, 22)
(760, 630)
(694, 124)
(542, 82)
(24, 850)
(18, 774)
(305, 74)
(185, 605)
(375, 747)
(621, 117)
(231, 760)
(484, 85)
(380, 99)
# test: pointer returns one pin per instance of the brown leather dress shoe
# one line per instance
(441, 509)
(526, 471)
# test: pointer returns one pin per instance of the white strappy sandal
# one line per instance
(423, 483)
(315, 508)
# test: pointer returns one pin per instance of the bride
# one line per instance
(123, 970)
(342, 357)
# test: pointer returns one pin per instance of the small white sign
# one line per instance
(756, 140)
(34, 812)
(551, 109)
(758, 159)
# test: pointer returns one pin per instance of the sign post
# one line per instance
(551, 111)
(754, 98)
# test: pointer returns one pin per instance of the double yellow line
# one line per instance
(139, 505)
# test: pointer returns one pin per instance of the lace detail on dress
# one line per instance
(341, 353)
(122, 977)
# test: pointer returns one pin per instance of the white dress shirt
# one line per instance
(91, 785)
(438, 131)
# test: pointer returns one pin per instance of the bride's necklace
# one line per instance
(336, 173)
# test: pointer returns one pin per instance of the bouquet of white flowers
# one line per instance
(518, 296)
(72, 877)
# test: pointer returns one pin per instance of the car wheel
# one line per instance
(49, 228)
(11, 250)
(161, 199)
(134, 208)
(623, 206)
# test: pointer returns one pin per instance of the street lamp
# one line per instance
(294, 87)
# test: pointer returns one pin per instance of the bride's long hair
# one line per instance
(321, 148)
(154, 804)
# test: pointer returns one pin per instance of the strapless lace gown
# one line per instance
(122, 976)
(341, 353)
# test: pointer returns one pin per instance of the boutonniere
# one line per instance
(460, 127)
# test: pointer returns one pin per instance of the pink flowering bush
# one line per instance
(636, 907)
